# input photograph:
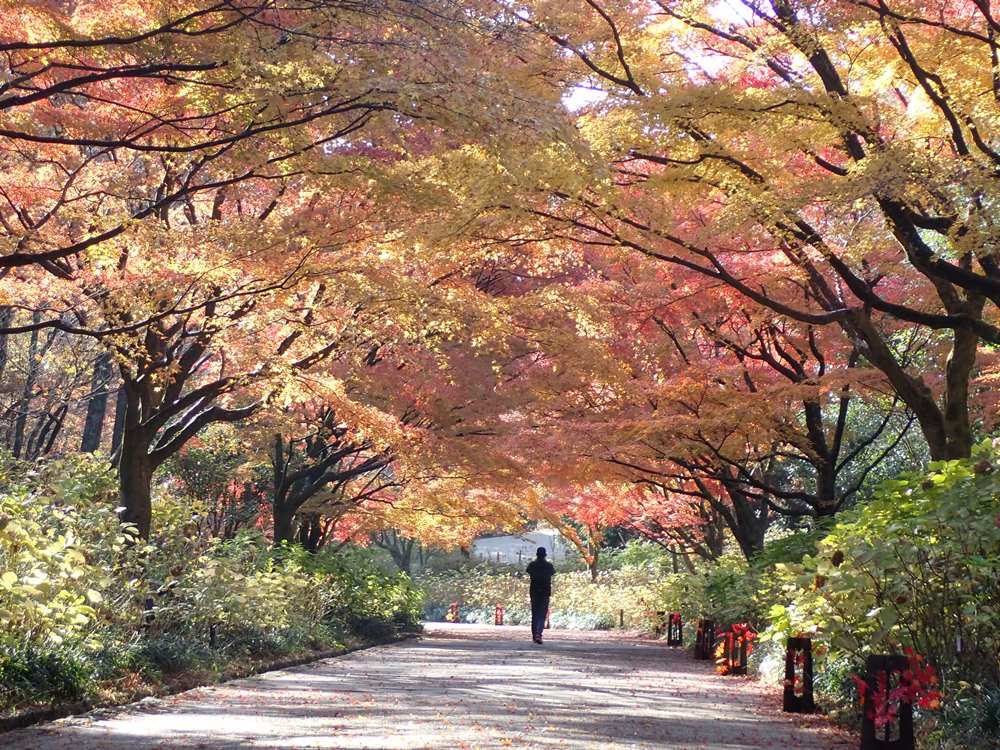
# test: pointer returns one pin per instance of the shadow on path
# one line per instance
(458, 687)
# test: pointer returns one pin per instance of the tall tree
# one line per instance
(97, 403)
(827, 163)
(125, 113)
(324, 462)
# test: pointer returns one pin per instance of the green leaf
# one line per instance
(845, 642)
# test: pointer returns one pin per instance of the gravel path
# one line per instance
(462, 687)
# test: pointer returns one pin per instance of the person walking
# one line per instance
(541, 572)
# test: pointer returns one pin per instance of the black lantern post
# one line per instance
(737, 651)
(705, 641)
(899, 737)
(798, 697)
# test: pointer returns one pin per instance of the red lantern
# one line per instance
(675, 630)
(733, 650)
(893, 685)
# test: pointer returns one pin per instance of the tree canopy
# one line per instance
(685, 268)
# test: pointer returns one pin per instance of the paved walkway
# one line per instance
(462, 687)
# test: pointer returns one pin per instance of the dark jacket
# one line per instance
(541, 572)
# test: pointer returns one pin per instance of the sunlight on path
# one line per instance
(461, 687)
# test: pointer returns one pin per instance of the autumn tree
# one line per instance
(125, 113)
(682, 525)
(44, 378)
(826, 162)
(217, 471)
(792, 399)
(323, 465)
(403, 550)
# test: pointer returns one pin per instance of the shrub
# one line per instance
(74, 584)
(917, 566)
(577, 602)
(970, 720)
(29, 673)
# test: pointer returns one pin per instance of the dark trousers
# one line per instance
(539, 609)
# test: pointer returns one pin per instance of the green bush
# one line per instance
(169, 653)
(724, 591)
(28, 673)
(74, 586)
(917, 566)
(59, 542)
(577, 601)
(969, 720)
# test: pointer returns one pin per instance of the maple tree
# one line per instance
(751, 430)
(318, 468)
(404, 550)
(215, 471)
(404, 273)
(583, 514)
(115, 117)
(42, 377)
(826, 162)
(726, 415)
(681, 524)
(667, 244)
(182, 180)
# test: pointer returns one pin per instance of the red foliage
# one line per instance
(742, 635)
(917, 686)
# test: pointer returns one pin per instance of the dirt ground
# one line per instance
(462, 687)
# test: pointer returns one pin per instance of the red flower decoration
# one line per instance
(917, 686)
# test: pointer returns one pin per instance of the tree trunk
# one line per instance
(6, 319)
(957, 423)
(283, 518)
(46, 431)
(97, 405)
(403, 557)
(27, 392)
(688, 564)
(827, 502)
(135, 478)
(398, 547)
(282, 510)
(57, 424)
(751, 522)
(714, 530)
(750, 536)
(911, 390)
(118, 430)
(311, 532)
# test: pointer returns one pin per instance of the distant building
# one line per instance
(517, 549)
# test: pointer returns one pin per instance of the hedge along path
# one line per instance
(465, 687)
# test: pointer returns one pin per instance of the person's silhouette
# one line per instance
(541, 572)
